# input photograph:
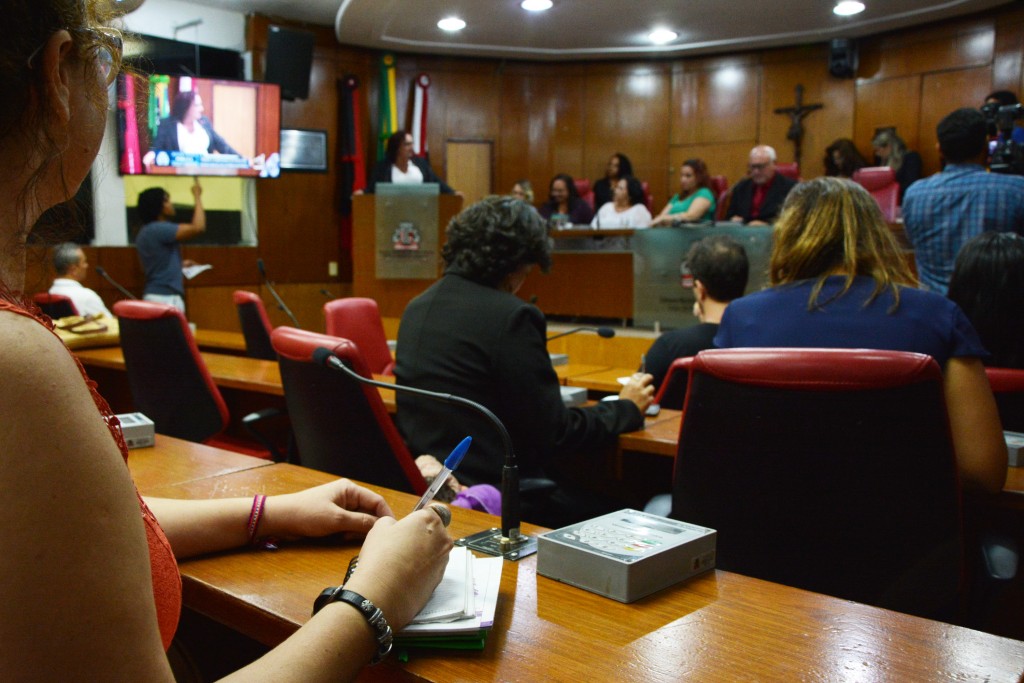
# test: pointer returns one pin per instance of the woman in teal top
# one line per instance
(695, 202)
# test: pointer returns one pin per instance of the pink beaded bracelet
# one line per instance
(255, 515)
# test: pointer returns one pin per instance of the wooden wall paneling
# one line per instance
(471, 168)
(717, 101)
(304, 299)
(725, 158)
(1008, 54)
(954, 44)
(589, 284)
(542, 129)
(891, 102)
(941, 93)
(628, 111)
(808, 67)
(212, 307)
(231, 265)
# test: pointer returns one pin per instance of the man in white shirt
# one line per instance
(70, 265)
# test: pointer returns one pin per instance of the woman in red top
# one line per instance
(83, 592)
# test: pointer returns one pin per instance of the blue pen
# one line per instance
(450, 463)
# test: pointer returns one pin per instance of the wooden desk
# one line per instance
(713, 627)
(605, 381)
(568, 370)
(173, 461)
(220, 341)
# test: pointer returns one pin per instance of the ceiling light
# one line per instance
(536, 5)
(451, 24)
(660, 36)
(848, 7)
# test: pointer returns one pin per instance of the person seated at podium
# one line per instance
(891, 151)
(402, 167)
(988, 284)
(619, 166)
(523, 189)
(694, 202)
(469, 335)
(70, 264)
(90, 587)
(842, 158)
(627, 208)
(757, 199)
(564, 206)
(720, 270)
(839, 280)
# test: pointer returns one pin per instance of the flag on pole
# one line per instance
(387, 106)
(419, 116)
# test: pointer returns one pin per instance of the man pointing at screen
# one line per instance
(158, 244)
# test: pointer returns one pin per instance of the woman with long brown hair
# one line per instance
(839, 280)
(695, 201)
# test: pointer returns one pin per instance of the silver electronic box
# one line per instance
(626, 555)
(138, 430)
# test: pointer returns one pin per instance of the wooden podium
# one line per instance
(391, 296)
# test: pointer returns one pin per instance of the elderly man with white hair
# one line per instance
(758, 198)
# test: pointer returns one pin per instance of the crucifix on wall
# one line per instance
(796, 115)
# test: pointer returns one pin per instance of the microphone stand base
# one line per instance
(489, 543)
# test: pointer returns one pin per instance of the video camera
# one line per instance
(1007, 156)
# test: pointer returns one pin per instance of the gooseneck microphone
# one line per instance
(103, 274)
(280, 302)
(511, 544)
(605, 332)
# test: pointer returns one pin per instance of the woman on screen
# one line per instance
(840, 280)
(90, 581)
(187, 130)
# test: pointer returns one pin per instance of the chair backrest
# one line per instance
(825, 469)
(167, 376)
(340, 425)
(722, 205)
(881, 182)
(358, 320)
(718, 184)
(256, 327)
(54, 305)
(1008, 388)
(673, 388)
(585, 190)
(648, 197)
(790, 170)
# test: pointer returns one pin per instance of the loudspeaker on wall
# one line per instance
(289, 60)
(842, 58)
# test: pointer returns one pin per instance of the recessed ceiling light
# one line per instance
(848, 7)
(451, 24)
(536, 5)
(661, 36)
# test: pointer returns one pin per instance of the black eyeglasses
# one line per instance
(108, 45)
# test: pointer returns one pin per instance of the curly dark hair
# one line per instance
(396, 140)
(635, 190)
(151, 204)
(494, 238)
(182, 102)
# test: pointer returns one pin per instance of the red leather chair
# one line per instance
(880, 181)
(54, 305)
(358, 319)
(1008, 387)
(673, 388)
(722, 205)
(256, 327)
(170, 383)
(718, 184)
(585, 191)
(790, 170)
(830, 470)
(648, 197)
(340, 425)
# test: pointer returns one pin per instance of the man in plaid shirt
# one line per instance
(943, 211)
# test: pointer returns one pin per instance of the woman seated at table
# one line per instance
(523, 189)
(988, 284)
(695, 201)
(627, 208)
(842, 159)
(469, 335)
(839, 280)
(564, 206)
(891, 151)
(402, 167)
(90, 584)
(619, 166)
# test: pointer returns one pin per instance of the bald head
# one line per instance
(761, 164)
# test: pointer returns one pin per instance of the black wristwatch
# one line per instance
(373, 615)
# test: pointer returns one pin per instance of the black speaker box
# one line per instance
(289, 60)
(842, 58)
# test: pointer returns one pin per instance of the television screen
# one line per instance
(181, 125)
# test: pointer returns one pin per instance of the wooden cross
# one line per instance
(796, 114)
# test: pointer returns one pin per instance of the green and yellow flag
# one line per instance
(387, 107)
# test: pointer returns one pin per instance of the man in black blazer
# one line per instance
(758, 198)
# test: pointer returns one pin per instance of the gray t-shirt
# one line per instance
(160, 255)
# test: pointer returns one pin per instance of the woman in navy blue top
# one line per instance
(839, 281)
